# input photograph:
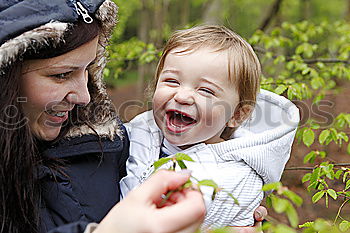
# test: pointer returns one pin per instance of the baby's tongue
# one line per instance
(181, 120)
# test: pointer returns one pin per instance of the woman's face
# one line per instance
(52, 87)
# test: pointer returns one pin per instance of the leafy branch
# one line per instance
(312, 168)
(305, 60)
(179, 160)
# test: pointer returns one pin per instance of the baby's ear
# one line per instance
(240, 115)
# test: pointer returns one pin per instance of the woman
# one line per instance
(63, 149)
(56, 119)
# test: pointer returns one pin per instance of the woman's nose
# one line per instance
(79, 93)
(184, 96)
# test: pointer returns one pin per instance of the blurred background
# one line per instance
(304, 48)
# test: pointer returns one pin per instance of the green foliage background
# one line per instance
(304, 51)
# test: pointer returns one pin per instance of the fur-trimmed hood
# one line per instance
(33, 23)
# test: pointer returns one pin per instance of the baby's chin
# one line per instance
(179, 143)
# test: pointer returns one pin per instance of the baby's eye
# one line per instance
(62, 76)
(171, 81)
(207, 91)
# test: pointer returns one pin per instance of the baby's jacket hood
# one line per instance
(264, 141)
(34, 23)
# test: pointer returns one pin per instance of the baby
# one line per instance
(207, 85)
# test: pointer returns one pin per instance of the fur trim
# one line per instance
(100, 112)
(16, 47)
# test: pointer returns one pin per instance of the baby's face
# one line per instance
(194, 100)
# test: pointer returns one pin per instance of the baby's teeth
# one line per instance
(60, 114)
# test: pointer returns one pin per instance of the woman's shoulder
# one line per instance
(85, 144)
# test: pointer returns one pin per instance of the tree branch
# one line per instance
(298, 168)
(312, 168)
(271, 15)
(307, 61)
(325, 60)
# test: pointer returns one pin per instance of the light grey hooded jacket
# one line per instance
(256, 155)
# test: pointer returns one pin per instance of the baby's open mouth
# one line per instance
(56, 114)
(179, 119)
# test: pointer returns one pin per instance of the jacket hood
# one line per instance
(34, 23)
(264, 142)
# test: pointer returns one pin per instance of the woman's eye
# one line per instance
(62, 76)
(207, 91)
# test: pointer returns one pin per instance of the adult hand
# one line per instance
(259, 215)
(140, 211)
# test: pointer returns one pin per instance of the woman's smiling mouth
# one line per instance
(56, 118)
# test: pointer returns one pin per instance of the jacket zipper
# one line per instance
(81, 10)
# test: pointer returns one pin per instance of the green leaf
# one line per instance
(279, 59)
(299, 49)
(340, 122)
(317, 83)
(299, 134)
(347, 185)
(295, 198)
(218, 230)
(317, 196)
(344, 176)
(290, 93)
(344, 226)
(160, 162)
(323, 136)
(268, 202)
(334, 134)
(188, 184)
(279, 205)
(338, 174)
(183, 156)
(332, 193)
(307, 225)
(315, 175)
(283, 229)
(348, 148)
(210, 183)
(318, 98)
(347, 194)
(322, 154)
(234, 199)
(292, 215)
(280, 89)
(182, 164)
(106, 72)
(306, 177)
(322, 225)
(310, 157)
(315, 125)
(271, 186)
(308, 137)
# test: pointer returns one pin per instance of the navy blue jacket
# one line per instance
(88, 185)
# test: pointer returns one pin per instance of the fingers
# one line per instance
(260, 213)
(243, 230)
(183, 210)
(188, 210)
(161, 182)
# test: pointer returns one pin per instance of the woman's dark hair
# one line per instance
(19, 151)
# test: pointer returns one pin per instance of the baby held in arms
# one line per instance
(207, 104)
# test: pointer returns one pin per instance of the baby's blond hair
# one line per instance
(244, 66)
